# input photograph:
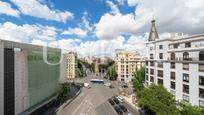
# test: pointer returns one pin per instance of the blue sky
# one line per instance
(94, 9)
(97, 27)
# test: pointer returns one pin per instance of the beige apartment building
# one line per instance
(71, 65)
(127, 63)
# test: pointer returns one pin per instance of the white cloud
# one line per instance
(85, 22)
(121, 2)
(37, 9)
(26, 32)
(133, 2)
(173, 15)
(114, 7)
(5, 8)
(110, 26)
(75, 31)
(102, 47)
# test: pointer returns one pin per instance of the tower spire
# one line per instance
(153, 32)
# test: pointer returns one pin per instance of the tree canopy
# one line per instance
(139, 79)
(157, 100)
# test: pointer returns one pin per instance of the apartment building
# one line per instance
(177, 63)
(26, 81)
(127, 63)
(71, 65)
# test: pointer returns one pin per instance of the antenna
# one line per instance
(153, 15)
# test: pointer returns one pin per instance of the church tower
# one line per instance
(153, 35)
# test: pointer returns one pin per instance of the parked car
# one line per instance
(118, 110)
(111, 86)
(141, 111)
(107, 84)
(111, 101)
(120, 98)
(123, 108)
(87, 85)
(125, 86)
(116, 100)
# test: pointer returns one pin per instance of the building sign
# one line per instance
(134, 99)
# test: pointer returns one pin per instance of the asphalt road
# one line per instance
(92, 101)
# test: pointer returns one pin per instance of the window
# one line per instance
(151, 63)
(160, 73)
(151, 56)
(173, 85)
(172, 75)
(185, 56)
(201, 67)
(185, 77)
(160, 81)
(187, 45)
(151, 78)
(160, 47)
(160, 64)
(152, 71)
(172, 65)
(173, 57)
(146, 63)
(176, 45)
(146, 70)
(147, 78)
(201, 56)
(185, 88)
(185, 66)
(201, 80)
(186, 98)
(201, 103)
(201, 93)
(160, 55)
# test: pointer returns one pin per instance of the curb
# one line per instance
(67, 102)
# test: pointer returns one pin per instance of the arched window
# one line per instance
(173, 56)
(201, 56)
(185, 56)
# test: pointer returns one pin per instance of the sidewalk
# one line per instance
(66, 103)
(128, 99)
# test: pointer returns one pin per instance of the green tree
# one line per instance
(157, 100)
(112, 74)
(64, 92)
(139, 79)
(186, 108)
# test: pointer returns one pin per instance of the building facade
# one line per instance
(71, 65)
(177, 63)
(26, 81)
(127, 63)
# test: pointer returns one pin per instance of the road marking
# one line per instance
(85, 101)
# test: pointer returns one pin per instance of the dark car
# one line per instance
(111, 86)
(116, 100)
(123, 108)
(118, 110)
(142, 111)
(125, 86)
(111, 101)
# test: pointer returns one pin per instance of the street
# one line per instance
(93, 101)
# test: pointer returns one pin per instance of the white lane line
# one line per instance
(84, 102)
